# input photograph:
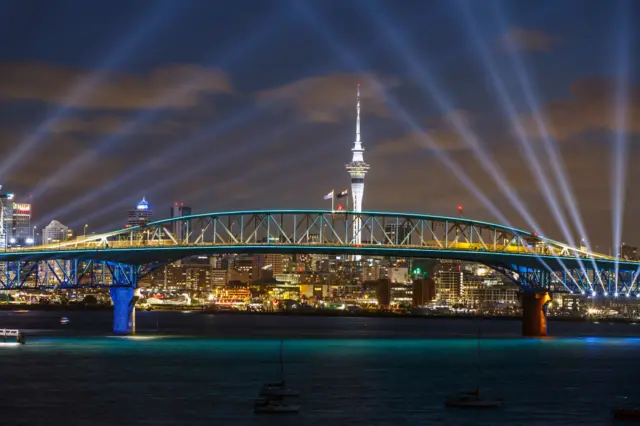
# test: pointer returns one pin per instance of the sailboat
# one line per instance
(279, 389)
(472, 399)
(272, 396)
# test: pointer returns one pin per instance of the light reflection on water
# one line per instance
(172, 378)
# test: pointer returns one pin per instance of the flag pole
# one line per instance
(333, 197)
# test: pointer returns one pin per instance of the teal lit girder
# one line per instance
(533, 261)
(74, 273)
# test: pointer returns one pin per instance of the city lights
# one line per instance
(245, 153)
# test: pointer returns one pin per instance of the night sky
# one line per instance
(229, 105)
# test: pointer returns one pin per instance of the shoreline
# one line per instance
(301, 313)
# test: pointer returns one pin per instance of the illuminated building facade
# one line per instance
(140, 215)
(398, 275)
(449, 284)
(357, 168)
(54, 232)
(269, 265)
(20, 233)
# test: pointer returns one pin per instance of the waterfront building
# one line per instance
(424, 291)
(398, 275)
(449, 283)
(371, 271)
(401, 294)
(383, 292)
(268, 265)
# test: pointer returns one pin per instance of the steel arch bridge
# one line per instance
(122, 257)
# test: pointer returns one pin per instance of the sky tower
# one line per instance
(357, 168)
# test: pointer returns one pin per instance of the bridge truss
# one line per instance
(124, 256)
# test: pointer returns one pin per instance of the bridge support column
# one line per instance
(123, 309)
(534, 314)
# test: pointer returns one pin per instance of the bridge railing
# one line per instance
(432, 244)
(301, 227)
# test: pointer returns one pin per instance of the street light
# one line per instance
(85, 230)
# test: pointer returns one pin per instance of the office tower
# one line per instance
(180, 229)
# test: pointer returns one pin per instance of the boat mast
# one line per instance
(282, 360)
(478, 361)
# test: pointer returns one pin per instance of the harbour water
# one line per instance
(202, 369)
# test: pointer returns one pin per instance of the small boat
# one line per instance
(20, 311)
(4, 333)
(471, 399)
(64, 320)
(274, 406)
(626, 413)
(278, 390)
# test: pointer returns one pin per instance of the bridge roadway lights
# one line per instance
(123, 304)
(534, 314)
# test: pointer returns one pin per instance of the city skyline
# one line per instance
(199, 123)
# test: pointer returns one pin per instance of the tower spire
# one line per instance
(357, 168)
(358, 117)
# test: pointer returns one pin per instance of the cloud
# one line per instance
(172, 86)
(439, 136)
(416, 141)
(102, 124)
(331, 98)
(591, 108)
(528, 40)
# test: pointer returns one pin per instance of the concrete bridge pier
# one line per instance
(123, 310)
(534, 314)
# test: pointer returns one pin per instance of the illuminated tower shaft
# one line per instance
(357, 168)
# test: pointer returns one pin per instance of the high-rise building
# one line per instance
(398, 275)
(140, 215)
(180, 229)
(267, 265)
(54, 232)
(357, 168)
(7, 218)
(21, 233)
(383, 292)
(398, 233)
(424, 291)
(449, 281)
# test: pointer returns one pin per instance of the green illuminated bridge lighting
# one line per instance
(122, 257)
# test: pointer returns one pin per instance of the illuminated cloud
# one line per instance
(528, 40)
(589, 109)
(57, 154)
(439, 130)
(32, 81)
(101, 124)
(415, 141)
(331, 98)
